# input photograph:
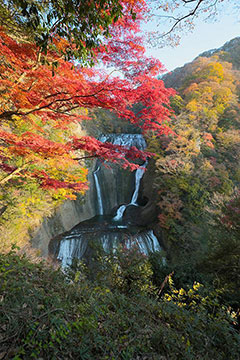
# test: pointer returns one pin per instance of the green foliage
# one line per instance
(25, 207)
(222, 260)
(129, 271)
(126, 270)
(44, 315)
(82, 24)
(177, 104)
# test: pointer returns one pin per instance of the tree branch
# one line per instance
(191, 13)
(13, 173)
(164, 283)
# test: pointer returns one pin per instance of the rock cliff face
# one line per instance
(69, 214)
(116, 186)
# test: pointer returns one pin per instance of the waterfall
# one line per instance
(71, 248)
(138, 176)
(75, 246)
(127, 140)
(105, 230)
(98, 190)
(147, 242)
(120, 212)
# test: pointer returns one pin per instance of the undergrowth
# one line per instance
(120, 314)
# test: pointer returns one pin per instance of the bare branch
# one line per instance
(190, 14)
(164, 283)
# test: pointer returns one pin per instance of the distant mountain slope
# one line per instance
(229, 52)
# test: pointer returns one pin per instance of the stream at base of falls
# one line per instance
(104, 230)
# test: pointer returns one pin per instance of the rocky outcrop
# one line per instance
(141, 215)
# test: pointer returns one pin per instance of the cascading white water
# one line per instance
(138, 176)
(127, 140)
(120, 212)
(106, 231)
(98, 191)
(75, 246)
(147, 242)
(72, 246)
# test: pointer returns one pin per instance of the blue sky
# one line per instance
(205, 36)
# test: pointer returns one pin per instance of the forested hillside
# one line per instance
(197, 171)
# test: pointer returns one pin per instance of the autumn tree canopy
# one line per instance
(44, 96)
(197, 171)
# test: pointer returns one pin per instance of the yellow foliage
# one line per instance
(192, 106)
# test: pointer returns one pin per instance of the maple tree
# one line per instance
(44, 97)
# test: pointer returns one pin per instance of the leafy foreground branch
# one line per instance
(118, 315)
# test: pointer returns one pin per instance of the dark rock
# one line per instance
(140, 215)
(159, 233)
